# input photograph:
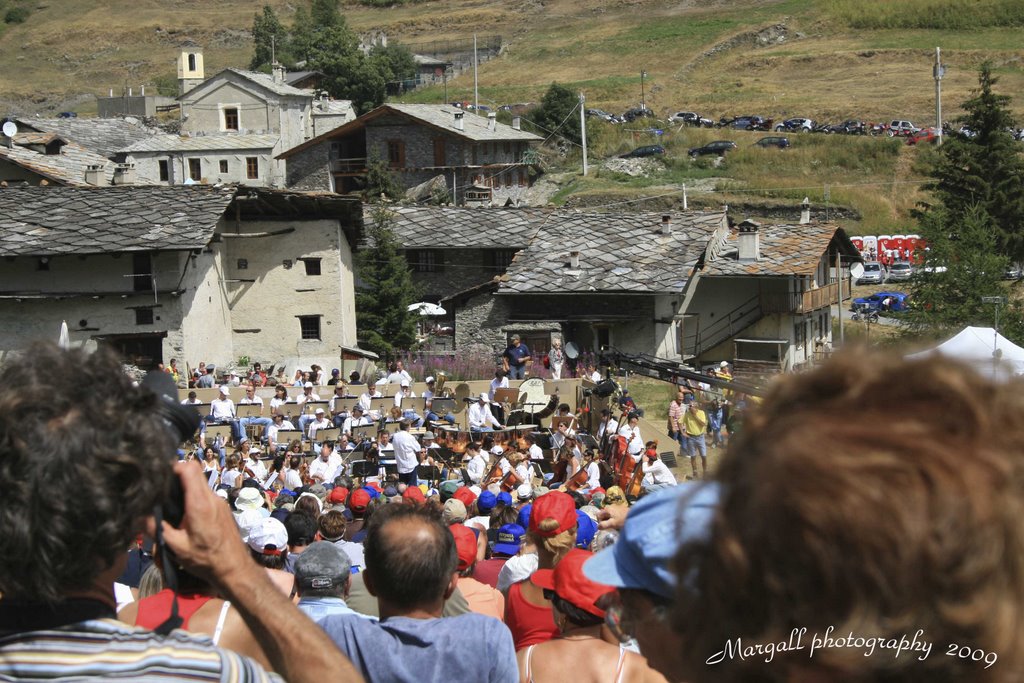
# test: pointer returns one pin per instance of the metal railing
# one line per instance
(725, 327)
(805, 302)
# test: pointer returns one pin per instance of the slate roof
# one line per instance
(624, 253)
(103, 136)
(50, 221)
(226, 142)
(66, 168)
(785, 250)
(264, 80)
(441, 227)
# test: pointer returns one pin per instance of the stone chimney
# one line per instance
(574, 260)
(750, 241)
(492, 121)
(94, 174)
(516, 123)
(459, 123)
(666, 224)
(124, 174)
(805, 211)
(278, 71)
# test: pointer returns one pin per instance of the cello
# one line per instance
(634, 487)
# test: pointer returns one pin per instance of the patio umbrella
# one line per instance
(427, 308)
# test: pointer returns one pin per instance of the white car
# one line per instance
(901, 128)
(874, 274)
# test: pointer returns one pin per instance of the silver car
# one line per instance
(874, 274)
(900, 271)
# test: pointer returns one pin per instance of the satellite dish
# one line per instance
(10, 129)
(572, 351)
(857, 270)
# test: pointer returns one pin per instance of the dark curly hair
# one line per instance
(82, 463)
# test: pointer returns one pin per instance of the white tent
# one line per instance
(989, 352)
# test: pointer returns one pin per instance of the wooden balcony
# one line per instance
(811, 300)
(354, 166)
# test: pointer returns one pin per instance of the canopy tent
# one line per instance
(989, 352)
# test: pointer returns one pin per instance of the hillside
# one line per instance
(826, 59)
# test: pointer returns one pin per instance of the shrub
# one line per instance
(16, 15)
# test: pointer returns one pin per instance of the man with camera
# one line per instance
(60, 554)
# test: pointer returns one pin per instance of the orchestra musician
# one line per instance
(475, 463)
(500, 381)
(481, 419)
(631, 433)
(428, 396)
(326, 466)
(568, 462)
(606, 430)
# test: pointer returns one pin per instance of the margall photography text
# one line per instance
(736, 649)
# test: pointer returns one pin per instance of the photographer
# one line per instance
(108, 441)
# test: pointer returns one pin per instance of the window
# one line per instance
(508, 147)
(231, 118)
(424, 261)
(223, 165)
(142, 273)
(195, 169)
(522, 178)
(501, 259)
(165, 170)
(396, 153)
(252, 168)
(312, 266)
(143, 316)
(439, 154)
(191, 62)
(476, 149)
(309, 326)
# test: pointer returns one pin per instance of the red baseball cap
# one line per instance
(375, 486)
(414, 493)
(555, 505)
(465, 545)
(571, 584)
(338, 495)
(359, 500)
(465, 495)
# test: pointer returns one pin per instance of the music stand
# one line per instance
(431, 473)
(363, 468)
(364, 432)
(506, 395)
(558, 421)
(441, 406)
(587, 441)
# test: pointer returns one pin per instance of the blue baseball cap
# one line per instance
(656, 528)
(505, 497)
(486, 502)
(374, 493)
(524, 516)
(510, 537)
(586, 529)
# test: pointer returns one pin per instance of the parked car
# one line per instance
(901, 271)
(874, 274)
(1013, 272)
(718, 148)
(898, 302)
(796, 125)
(900, 128)
(67, 115)
(601, 114)
(637, 113)
(750, 123)
(923, 135)
(773, 141)
(691, 118)
(848, 127)
(645, 151)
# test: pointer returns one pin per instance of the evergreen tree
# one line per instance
(556, 114)
(326, 13)
(381, 184)
(394, 63)
(984, 170)
(385, 291)
(269, 39)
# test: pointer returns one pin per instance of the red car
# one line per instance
(923, 135)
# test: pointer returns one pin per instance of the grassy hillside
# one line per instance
(827, 59)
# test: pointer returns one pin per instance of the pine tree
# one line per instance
(557, 114)
(381, 184)
(385, 291)
(270, 40)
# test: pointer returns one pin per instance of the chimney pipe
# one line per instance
(516, 123)
(666, 224)
(94, 174)
(111, 92)
(142, 90)
(278, 72)
(129, 91)
(459, 125)
(124, 174)
(805, 211)
(749, 241)
(492, 121)
(574, 260)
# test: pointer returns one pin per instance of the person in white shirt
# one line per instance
(384, 442)
(634, 441)
(277, 403)
(252, 399)
(326, 466)
(480, 417)
(593, 471)
(476, 463)
(277, 425)
(500, 381)
(254, 465)
(657, 475)
(319, 422)
(408, 454)
(356, 419)
(595, 374)
(291, 478)
(191, 400)
(222, 411)
(536, 452)
(397, 374)
(403, 402)
(609, 426)
(336, 407)
(428, 398)
(522, 468)
(306, 396)
(503, 464)
(365, 398)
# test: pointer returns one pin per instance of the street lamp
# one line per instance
(643, 99)
(996, 301)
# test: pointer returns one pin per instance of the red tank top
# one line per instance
(528, 623)
(155, 609)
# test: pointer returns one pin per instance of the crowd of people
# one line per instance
(805, 556)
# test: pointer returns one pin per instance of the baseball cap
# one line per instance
(486, 502)
(465, 545)
(358, 500)
(404, 383)
(505, 497)
(523, 519)
(724, 364)
(497, 450)
(414, 493)
(656, 528)
(224, 391)
(269, 537)
(454, 510)
(318, 411)
(338, 495)
(322, 565)
(510, 537)
(555, 505)
(307, 385)
(448, 489)
(571, 584)
(586, 529)
(524, 492)
(466, 496)
(429, 379)
(389, 491)
(484, 397)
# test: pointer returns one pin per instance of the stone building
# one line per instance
(193, 273)
(419, 142)
(37, 158)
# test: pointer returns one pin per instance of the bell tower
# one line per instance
(190, 67)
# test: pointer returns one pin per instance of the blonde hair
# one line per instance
(551, 549)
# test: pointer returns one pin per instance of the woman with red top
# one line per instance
(553, 531)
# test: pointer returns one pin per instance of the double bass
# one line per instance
(634, 487)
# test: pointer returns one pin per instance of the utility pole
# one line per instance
(643, 97)
(938, 72)
(583, 129)
(476, 93)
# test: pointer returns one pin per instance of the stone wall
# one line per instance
(309, 170)
(479, 325)
(459, 270)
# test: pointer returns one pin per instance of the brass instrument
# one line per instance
(439, 389)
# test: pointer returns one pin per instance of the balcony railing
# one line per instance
(354, 165)
(811, 300)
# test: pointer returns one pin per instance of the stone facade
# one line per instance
(454, 270)
(309, 170)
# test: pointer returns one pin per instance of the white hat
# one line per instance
(724, 364)
(221, 493)
(247, 520)
(224, 390)
(497, 450)
(269, 532)
(318, 411)
(429, 379)
(524, 492)
(404, 383)
(254, 449)
(484, 397)
(249, 498)
(308, 385)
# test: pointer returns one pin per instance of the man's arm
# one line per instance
(208, 545)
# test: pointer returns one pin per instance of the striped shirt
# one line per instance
(106, 648)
